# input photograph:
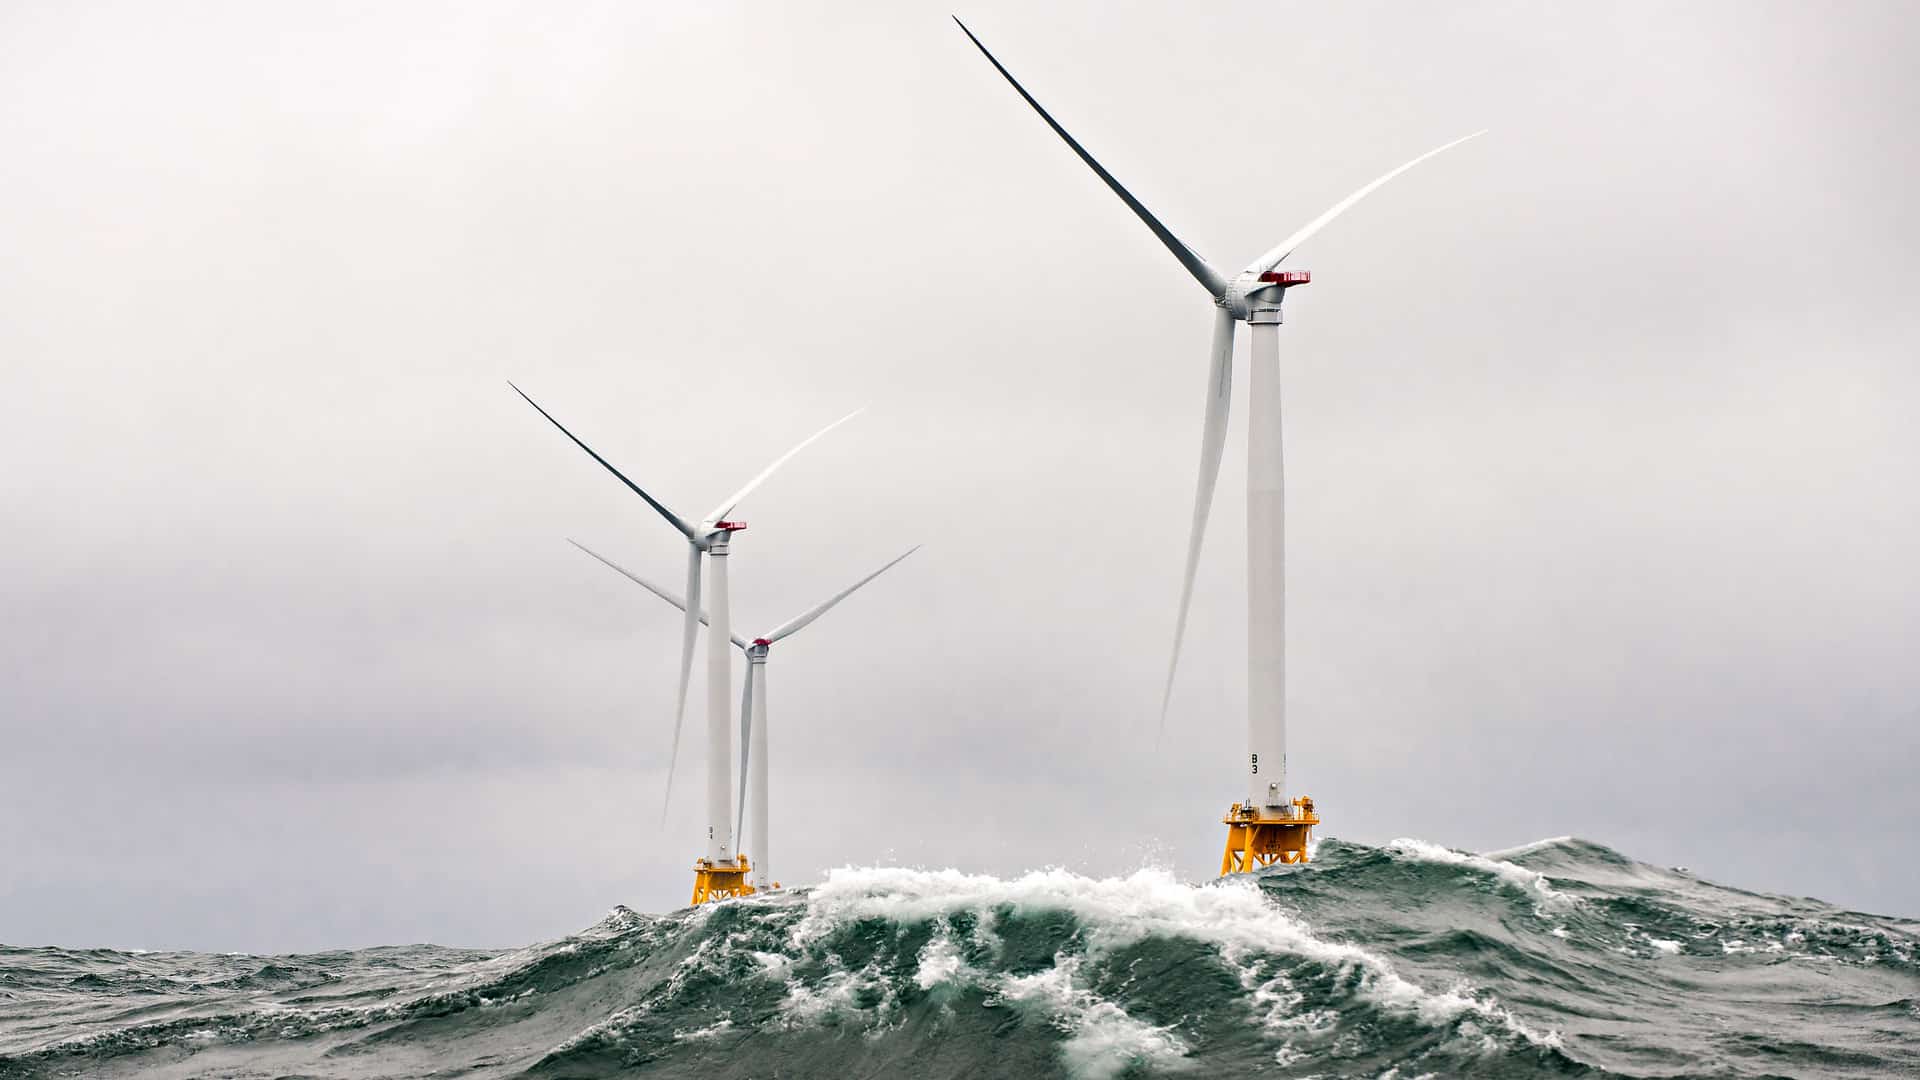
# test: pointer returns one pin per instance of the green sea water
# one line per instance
(1562, 958)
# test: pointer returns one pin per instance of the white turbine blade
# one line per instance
(660, 591)
(791, 625)
(733, 500)
(1274, 257)
(674, 519)
(1197, 266)
(1213, 439)
(746, 748)
(691, 629)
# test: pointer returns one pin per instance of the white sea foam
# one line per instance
(607, 1027)
(1112, 912)
(1274, 999)
(940, 962)
(772, 965)
(707, 1032)
(1529, 882)
(836, 995)
(1102, 1040)
(1233, 916)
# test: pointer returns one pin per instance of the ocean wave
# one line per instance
(1530, 883)
(1244, 927)
(1558, 958)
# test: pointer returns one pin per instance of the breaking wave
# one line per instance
(1562, 957)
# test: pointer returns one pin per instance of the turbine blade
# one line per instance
(746, 753)
(1213, 439)
(674, 519)
(660, 591)
(791, 625)
(1197, 266)
(1285, 248)
(690, 630)
(726, 508)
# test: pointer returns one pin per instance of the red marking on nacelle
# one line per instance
(730, 526)
(1287, 277)
(761, 641)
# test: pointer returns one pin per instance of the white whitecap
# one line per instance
(1529, 882)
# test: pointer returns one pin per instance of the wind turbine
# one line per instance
(1253, 296)
(720, 873)
(753, 698)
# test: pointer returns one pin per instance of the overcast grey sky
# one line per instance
(1602, 461)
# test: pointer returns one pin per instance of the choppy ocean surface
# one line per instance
(1559, 958)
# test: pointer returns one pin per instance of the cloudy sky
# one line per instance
(1604, 474)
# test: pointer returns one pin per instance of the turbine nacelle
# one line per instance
(711, 532)
(1253, 290)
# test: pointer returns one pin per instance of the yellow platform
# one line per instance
(718, 881)
(1262, 836)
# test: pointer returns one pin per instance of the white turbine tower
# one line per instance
(1254, 297)
(719, 873)
(753, 700)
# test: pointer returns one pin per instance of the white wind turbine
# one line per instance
(1254, 297)
(709, 537)
(753, 698)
